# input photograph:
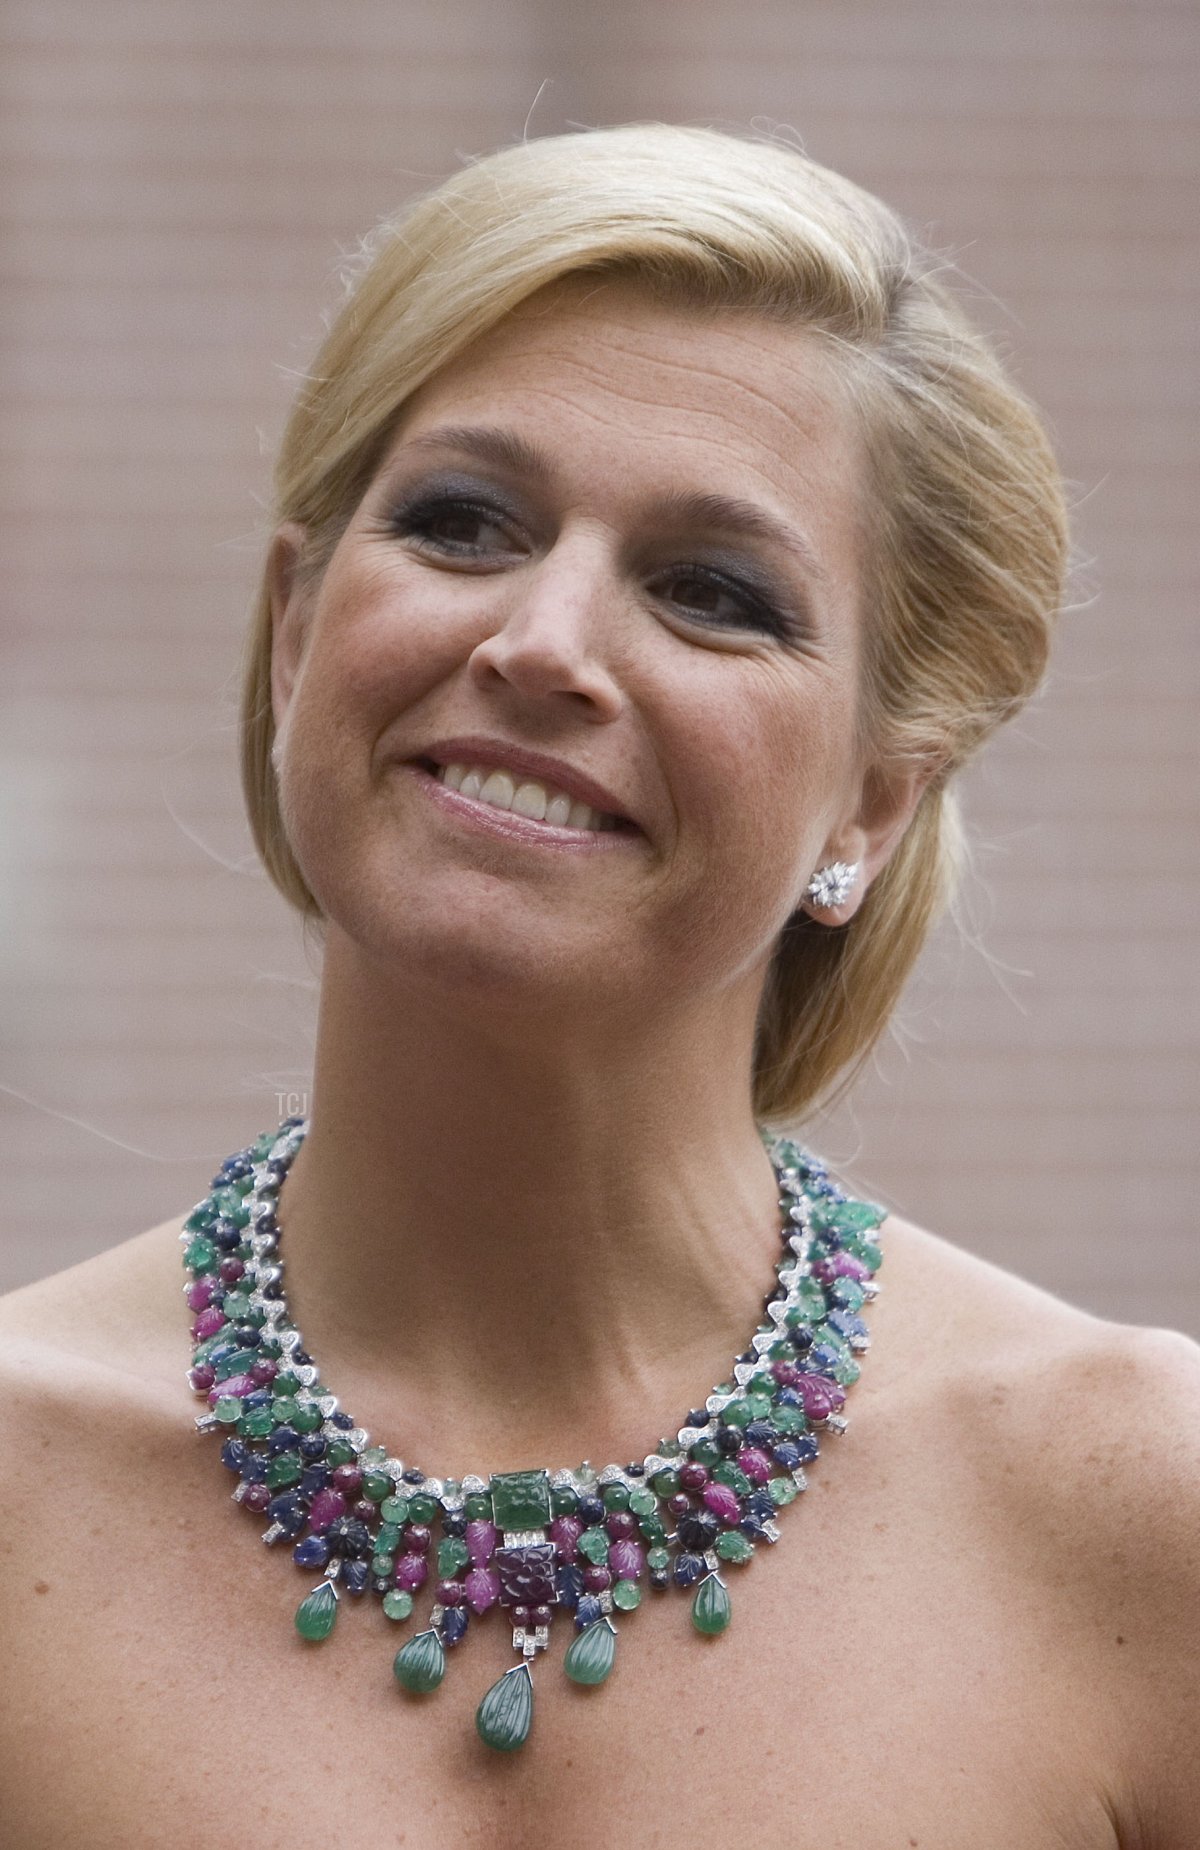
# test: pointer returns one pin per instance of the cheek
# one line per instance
(380, 644)
(769, 766)
(771, 777)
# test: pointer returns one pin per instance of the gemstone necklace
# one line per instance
(528, 1541)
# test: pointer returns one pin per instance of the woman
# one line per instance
(655, 542)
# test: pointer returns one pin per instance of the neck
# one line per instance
(505, 1252)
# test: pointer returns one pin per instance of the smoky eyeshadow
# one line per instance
(428, 491)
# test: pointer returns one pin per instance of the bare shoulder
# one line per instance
(1104, 1417)
(1120, 1486)
(1083, 1438)
(112, 1320)
(92, 1385)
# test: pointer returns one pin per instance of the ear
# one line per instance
(887, 803)
(289, 615)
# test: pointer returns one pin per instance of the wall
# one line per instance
(179, 185)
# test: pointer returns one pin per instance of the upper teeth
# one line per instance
(527, 798)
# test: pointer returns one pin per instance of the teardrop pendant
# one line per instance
(420, 1665)
(591, 1652)
(315, 1615)
(505, 1716)
(711, 1608)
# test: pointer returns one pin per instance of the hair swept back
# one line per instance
(968, 530)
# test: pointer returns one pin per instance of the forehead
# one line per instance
(719, 399)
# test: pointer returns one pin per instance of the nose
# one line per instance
(556, 633)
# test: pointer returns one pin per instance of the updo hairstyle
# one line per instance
(966, 525)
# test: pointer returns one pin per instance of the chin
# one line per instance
(469, 957)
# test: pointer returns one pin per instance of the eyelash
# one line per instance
(415, 520)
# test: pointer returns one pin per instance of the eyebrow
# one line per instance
(506, 450)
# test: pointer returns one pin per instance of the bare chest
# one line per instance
(890, 1678)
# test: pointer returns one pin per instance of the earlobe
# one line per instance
(288, 614)
(862, 850)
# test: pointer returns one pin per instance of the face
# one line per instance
(625, 538)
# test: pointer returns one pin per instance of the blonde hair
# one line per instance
(967, 526)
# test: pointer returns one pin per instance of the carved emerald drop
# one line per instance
(505, 1716)
(315, 1615)
(591, 1652)
(711, 1609)
(420, 1664)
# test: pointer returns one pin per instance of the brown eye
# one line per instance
(716, 599)
(452, 526)
(458, 527)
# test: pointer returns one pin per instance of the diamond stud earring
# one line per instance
(830, 885)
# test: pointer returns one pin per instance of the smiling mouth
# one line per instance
(519, 795)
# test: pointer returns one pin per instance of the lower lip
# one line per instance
(503, 824)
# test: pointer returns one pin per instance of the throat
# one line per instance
(517, 1332)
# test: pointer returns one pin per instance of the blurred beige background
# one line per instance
(179, 184)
